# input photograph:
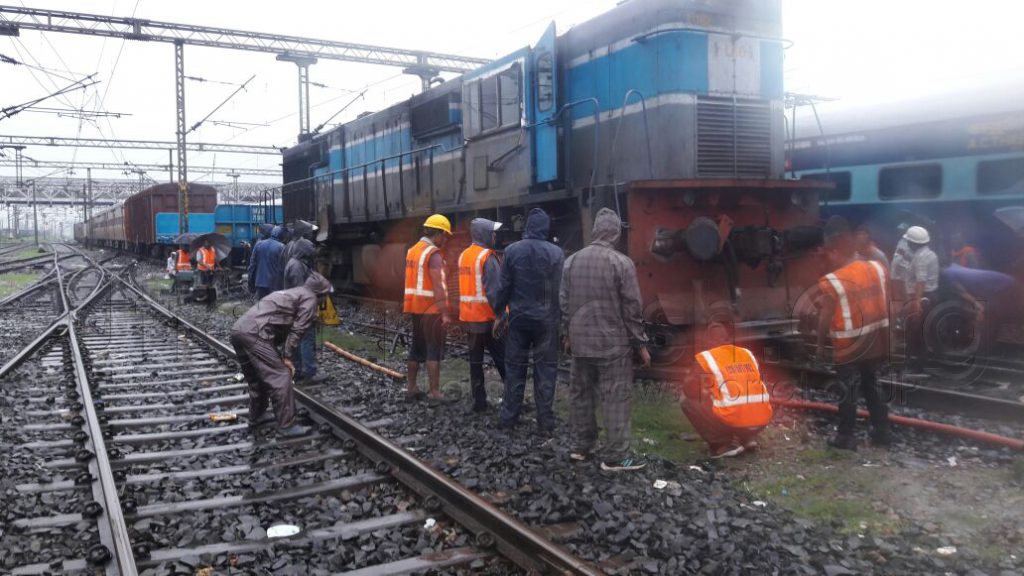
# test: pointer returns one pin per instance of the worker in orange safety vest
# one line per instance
(184, 259)
(206, 257)
(854, 315)
(426, 300)
(725, 398)
(479, 278)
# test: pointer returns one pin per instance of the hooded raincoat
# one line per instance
(300, 265)
(265, 270)
(531, 275)
(600, 296)
(285, 315)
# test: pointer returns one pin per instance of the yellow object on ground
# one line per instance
(328, 315)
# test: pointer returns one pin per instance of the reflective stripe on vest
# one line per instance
(876, 310)
(184, 260)
(750, 406)
(206, 259)
(473, 304)
(419, 290)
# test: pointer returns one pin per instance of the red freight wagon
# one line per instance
(140, 210)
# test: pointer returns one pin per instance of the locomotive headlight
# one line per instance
(690, 198)
(796, 199)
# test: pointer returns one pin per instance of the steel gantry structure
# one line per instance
(296, 49)
(129, 166)
(137, 144)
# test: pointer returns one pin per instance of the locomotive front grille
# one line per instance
(733, 138)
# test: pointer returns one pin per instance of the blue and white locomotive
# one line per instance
(669, 111)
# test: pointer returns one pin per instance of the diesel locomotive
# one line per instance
(668, 111)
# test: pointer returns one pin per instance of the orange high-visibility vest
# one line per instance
(206, 259)
(183, 260)
(419, 289)
(963, 255)
(473, 305)
(738, 396)
(861, 313)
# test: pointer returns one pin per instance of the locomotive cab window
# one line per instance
(841, 180)
(493, 102)
(545, 82)
(910, 182)
(1001, 176)
(510, 94)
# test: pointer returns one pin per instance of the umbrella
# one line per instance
(217, 240)
(187, 238)
(1012, 216)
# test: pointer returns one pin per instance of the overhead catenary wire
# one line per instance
(219, 106)
(10, 111)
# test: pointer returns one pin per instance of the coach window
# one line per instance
(488, 104)
(545, 82)
(1001, 176)
(841, 180)
(910, 182)
(511, 96)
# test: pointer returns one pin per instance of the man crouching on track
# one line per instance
(285, 315)
(725, 398)
(855, 315)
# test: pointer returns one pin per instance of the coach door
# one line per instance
(544, 107)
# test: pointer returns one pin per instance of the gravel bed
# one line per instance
(25, 319)
(20, 464)
(701, 522)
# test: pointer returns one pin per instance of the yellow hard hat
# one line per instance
(438, 222)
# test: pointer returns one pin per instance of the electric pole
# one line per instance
(35, 216)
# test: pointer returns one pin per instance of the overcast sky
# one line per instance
(860, 51)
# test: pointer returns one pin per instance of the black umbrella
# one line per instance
(187, 238)
(217, 240)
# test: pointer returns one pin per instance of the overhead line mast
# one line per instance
(301, 51)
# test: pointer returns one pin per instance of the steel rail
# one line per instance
(6, 267)
(114, 532)
(925, 397)
(492, 527)
(44, 281)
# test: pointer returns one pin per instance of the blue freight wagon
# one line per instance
(167, 228)
(239, 222)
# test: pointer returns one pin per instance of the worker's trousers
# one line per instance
(542, 339)
(856, 379)
(268, 378)
(610, 381)
(306, 366)
(478, 342)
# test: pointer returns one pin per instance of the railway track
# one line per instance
(980, 386)
(132, 450)
(7, 250)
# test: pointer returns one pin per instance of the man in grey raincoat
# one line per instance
(603, 327)
(299, 268)
(282, 316)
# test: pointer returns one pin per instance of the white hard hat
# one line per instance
(917, 235)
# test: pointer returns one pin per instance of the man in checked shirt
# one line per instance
(603, 329)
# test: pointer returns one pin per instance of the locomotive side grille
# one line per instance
(733, 139)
